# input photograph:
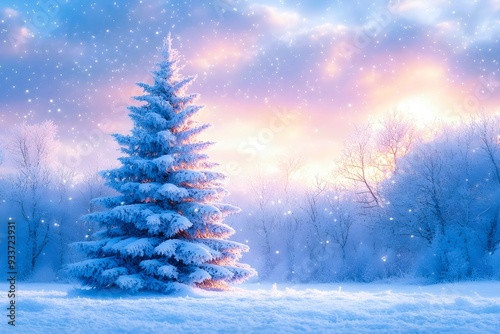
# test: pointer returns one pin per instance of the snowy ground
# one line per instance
(262, 308)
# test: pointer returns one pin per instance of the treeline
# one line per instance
(403, 202)
(45, 198)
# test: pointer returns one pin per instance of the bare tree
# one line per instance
(369, 156)
(343, 219)
(396, 137)
(290, 221)
(265, 220)
(62, 209)
(488, 130)
(493, 233)
(315, 222)
(289, 166)
(358, 165)
(276, 218)
(31, 149)
(92, 186)
(312, 201)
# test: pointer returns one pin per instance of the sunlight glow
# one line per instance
(423, 109)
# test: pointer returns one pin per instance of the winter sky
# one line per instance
(277, 78)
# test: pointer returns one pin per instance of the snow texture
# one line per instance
(472, 307)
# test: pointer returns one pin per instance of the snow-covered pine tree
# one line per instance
(166, 228)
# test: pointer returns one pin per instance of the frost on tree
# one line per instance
(166, 228)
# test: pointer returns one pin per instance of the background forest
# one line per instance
(404, 200)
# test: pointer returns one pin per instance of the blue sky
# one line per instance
(328, 64)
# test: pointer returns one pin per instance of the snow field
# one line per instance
(262, 308)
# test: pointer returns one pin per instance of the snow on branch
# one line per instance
(186, 252)
(132, 283)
